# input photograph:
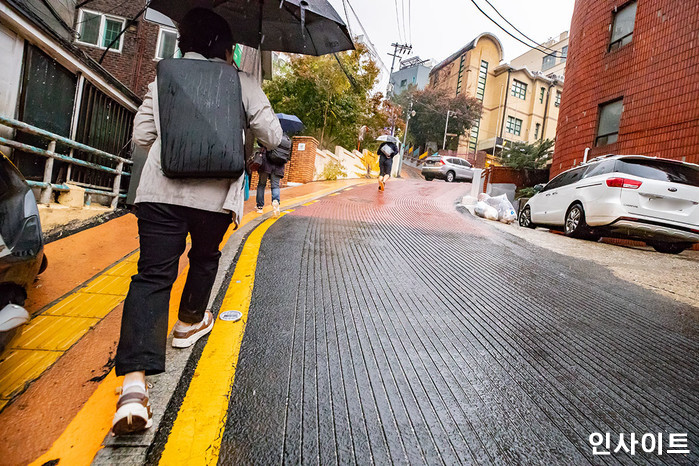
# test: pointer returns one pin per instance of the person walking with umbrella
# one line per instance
(387, 150)
(273, 166)
(169, 209)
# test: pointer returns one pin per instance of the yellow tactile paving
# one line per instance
(133, 257)
(307, 204)
(85, 305)
(108, 284)
(21, 366)
(53, 333)
(123, 269)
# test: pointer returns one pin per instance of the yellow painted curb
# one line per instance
(196, 434)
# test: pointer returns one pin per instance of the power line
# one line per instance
(370, 44)
(515, 27)
(410, 21)
(509, 33)
(402, 9)
(349, 28)
(395, 2)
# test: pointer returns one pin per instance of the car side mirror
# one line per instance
(539, 187)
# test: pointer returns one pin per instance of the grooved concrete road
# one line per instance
(390, 328)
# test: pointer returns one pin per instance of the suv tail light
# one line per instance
(623, 183)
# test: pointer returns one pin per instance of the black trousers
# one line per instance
(163, 230)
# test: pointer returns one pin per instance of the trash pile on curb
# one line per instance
(496, 208)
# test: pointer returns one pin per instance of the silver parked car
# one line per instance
(447, 168)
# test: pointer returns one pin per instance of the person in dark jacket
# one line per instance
(387, 151)
(274, 173)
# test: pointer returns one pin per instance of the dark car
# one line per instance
(21, 246)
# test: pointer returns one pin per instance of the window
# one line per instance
(608, 127)
(557, 102)
(167, 44)
(482, 77)
(564, 54)
(519, 89)
(548, 62)
(536, 130)
(622, 26)
(565, 178)
(414, 79)
(403, 83)
(660, 170)
(514, 126)
(541, 96)
(601, 168)
(461, 74)
(100, 30)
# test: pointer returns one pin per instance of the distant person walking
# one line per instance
(272, 169)
(169, 209)
(387, 151)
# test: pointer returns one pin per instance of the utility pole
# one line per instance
(444, 143)
(405, 137)
(398, 49)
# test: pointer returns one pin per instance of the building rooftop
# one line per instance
(466, 48)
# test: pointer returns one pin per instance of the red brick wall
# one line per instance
(656, 74)
(301, 167)
(135, 65)
(303, 163)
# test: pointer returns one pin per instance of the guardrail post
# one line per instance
(47, 190)
(117, 184)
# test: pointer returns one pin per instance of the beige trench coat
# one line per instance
(207, 194)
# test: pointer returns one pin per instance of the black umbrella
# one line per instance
(310, 27)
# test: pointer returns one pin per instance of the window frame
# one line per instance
(101, 31)
(599, 120)
(557, 99)
(541, 97)
(164, 29)
(537, 128)
(619, 42)
(552, 58)
(518, 89)
(564, 54)
(515, 126)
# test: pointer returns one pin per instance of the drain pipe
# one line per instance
(587, 151)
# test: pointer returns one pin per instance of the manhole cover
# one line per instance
(231, 316)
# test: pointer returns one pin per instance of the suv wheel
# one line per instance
(670, 248)
(451, 176)
(525, 218)
(575, 225)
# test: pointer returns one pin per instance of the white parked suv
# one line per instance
(651, 199)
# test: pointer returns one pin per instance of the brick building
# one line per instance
(133, 57)
(631, 82)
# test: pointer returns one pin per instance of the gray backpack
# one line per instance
(201, 119)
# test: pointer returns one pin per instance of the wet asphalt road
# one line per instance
(390, 328)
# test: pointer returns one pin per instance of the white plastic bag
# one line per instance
(483, 197)
(497, 200)
(506, 212)
(484, 210)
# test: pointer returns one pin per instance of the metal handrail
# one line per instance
(46, 186)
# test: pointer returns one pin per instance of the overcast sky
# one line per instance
(441, 27)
